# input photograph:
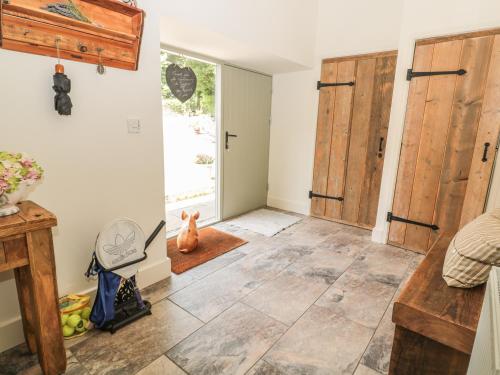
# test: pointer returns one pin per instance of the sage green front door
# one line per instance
(246, 113)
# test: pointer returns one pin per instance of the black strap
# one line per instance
(411, 74)
(322, 84)
(92, 268)
(391, 217)
(314, 195)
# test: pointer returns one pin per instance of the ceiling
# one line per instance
(221, 48)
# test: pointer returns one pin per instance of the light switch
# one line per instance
(133, 126)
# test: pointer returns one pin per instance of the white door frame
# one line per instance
(219, 107)
(218, 121)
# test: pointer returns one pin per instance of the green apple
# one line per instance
(77, 312)
(74, 320)
(80, 327)
(68, 331)
(86, 313)
(64, 319)
(86, 324)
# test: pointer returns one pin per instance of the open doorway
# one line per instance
(191, 140)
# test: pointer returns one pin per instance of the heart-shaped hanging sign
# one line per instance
(182, 81)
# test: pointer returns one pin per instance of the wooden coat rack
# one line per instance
(112, 37)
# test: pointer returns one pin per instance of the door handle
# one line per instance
(380, 147)
(485, 153)
(227, 139)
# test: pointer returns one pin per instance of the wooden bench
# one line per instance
(435, 324)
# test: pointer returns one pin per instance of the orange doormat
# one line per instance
(211, 244)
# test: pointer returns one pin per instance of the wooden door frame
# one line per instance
(363, 56)
(460, 36)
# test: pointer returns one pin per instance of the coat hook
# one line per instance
(58, 40)
(100, 67)
(59, 67)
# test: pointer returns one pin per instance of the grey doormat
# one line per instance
(264, 221)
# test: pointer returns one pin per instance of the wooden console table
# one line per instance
(435, 324)
(26, 247)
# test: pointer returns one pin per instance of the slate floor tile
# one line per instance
(286, 297)
(309, 232)
(345, 244)
(210, 296)
(218, 291)
(320, 343)
(322, 264)
(363, 370)
(171, 325)
(383, 263)
(230, 344)
(17, 359)
(73, 367)
(351, 291)
(100, 357)
(378, 353)
(161, 366)
(264, 368)
(136, 345)
(162, 289)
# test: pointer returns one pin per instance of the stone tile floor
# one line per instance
(314, 299)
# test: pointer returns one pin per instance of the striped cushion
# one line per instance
(472, 252)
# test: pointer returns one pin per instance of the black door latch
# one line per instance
(227, 139)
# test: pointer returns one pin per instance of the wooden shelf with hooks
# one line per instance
(113, 34)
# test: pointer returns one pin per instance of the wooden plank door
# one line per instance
(449, 119)
(350, 137)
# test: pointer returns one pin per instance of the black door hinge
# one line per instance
(391, 217)
(314, 195)
(411, 74)
(322, 84)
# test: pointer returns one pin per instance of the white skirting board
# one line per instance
(300, 207)
(11, 331)
(379, 235)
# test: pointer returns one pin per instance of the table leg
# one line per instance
(51, 352)
(23, 283)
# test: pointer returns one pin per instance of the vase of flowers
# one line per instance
(18, 172)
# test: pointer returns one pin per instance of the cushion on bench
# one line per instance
(472, 252)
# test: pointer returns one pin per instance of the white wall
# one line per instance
(95, 170)
(446, 17)
(284, 28)
(343, 28)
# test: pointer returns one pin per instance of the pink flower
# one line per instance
(3, 186)
(28, 163)
(32, 175)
